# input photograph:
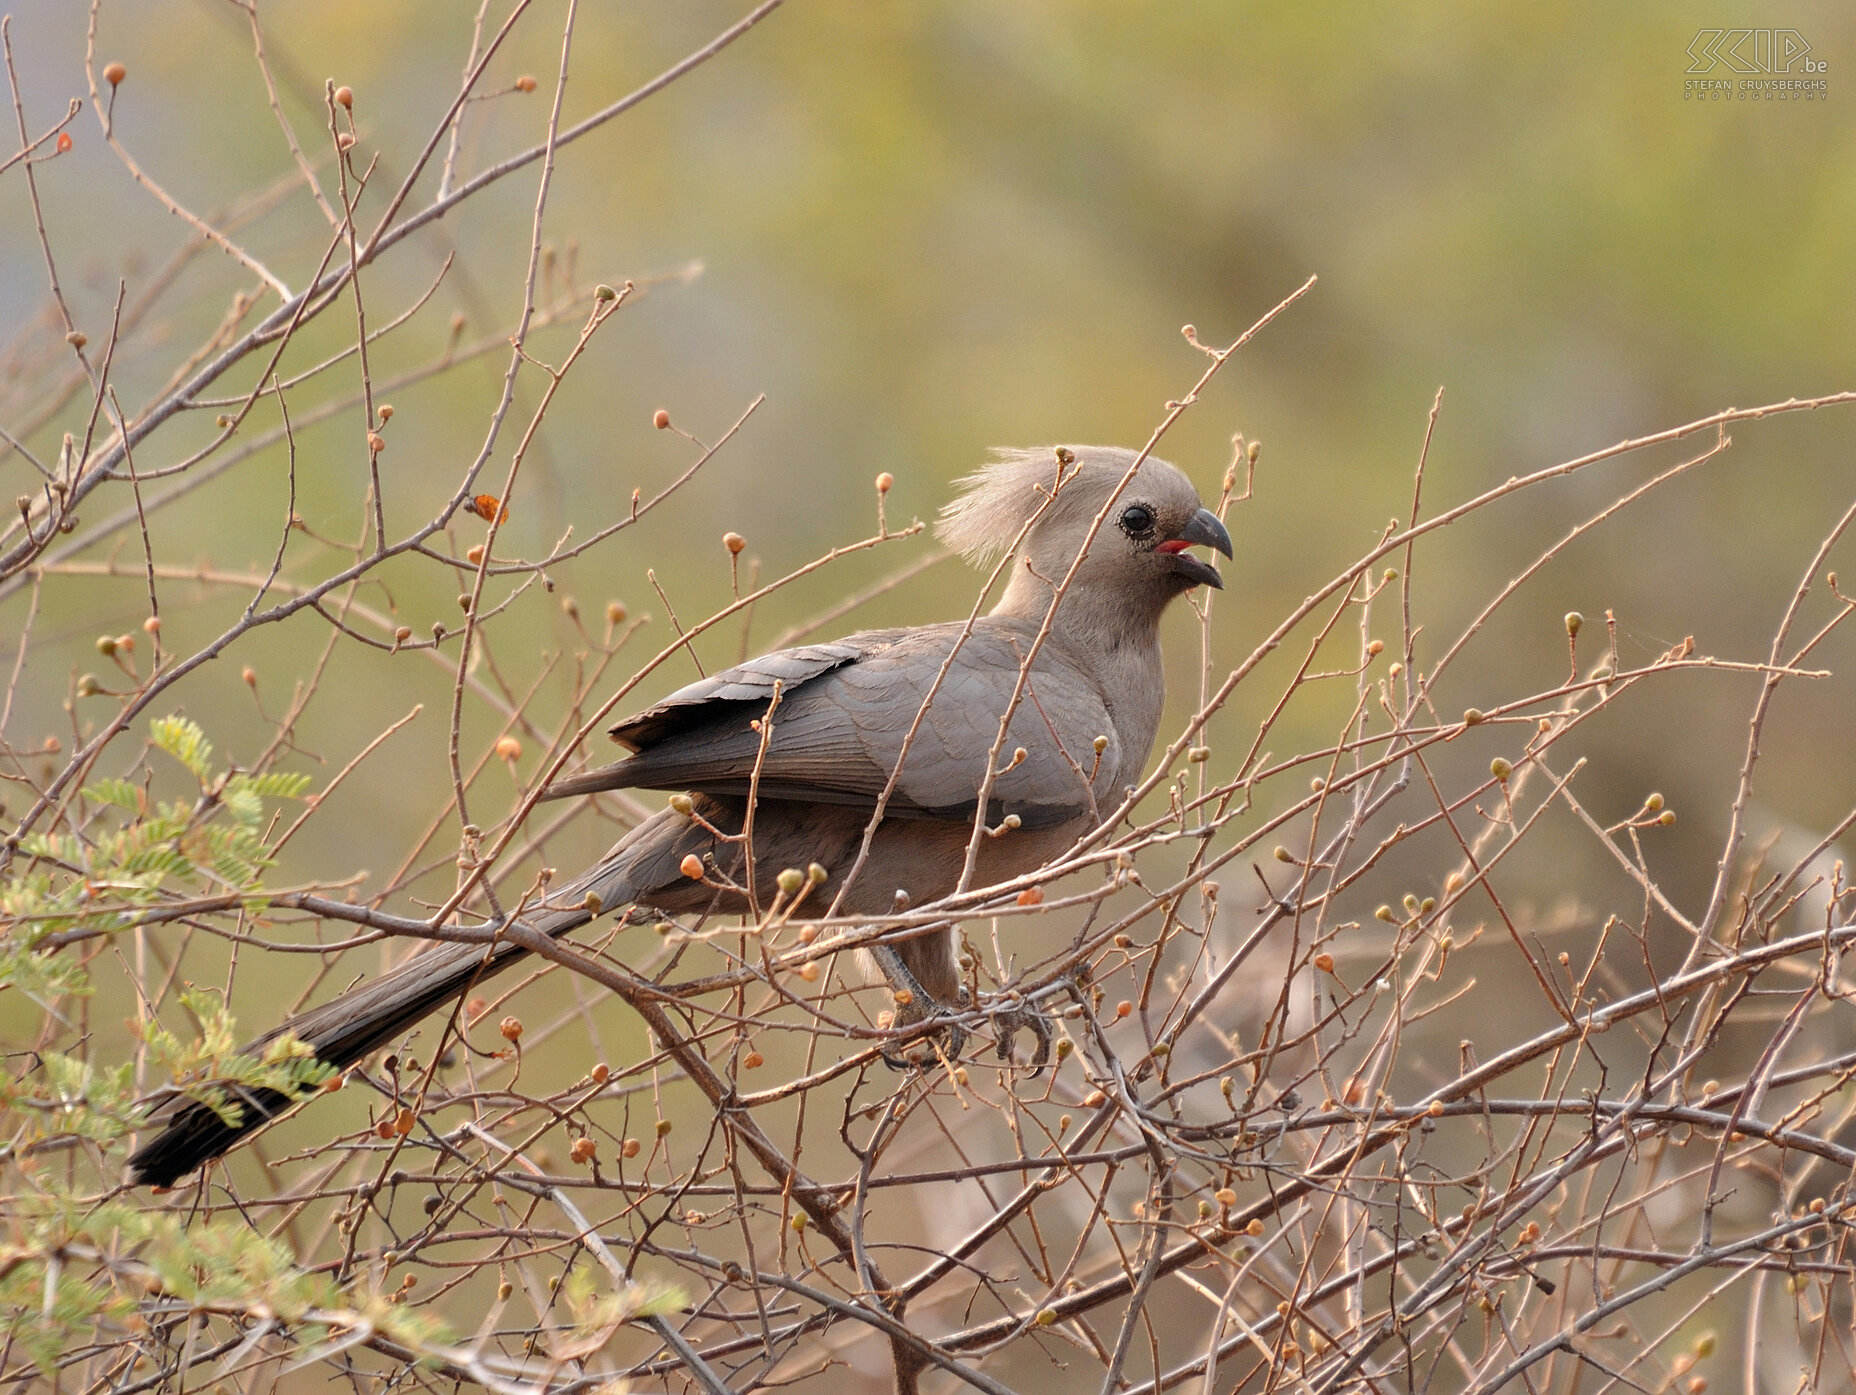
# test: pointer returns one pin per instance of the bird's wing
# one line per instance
(751, 682)
(843, 719)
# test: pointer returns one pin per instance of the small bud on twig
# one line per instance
(114, 74)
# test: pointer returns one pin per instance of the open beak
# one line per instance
(1203, 528)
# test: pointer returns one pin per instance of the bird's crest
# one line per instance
(997, 500)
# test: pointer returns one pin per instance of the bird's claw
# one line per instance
(1015, 1016)
(921, 1053)
(921, 1007)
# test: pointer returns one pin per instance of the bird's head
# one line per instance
(1141, 555)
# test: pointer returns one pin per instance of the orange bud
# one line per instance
(344, 96)
(691, 867)
(476, 1007)
(402, 1124)
(1031, 896)
(734, 542)
(525, 83)
(376, 442)
(629, 1148)
(661, 419)
(509, 748)
(601, 1073)
(1325, 962)
(511, 1028)
(250, 675)
(152, 624)
(584, 1150)
(64, 141)
(475, 554)
(1122, 1009)
(114, 74)
(885, 482)
(753, 1061)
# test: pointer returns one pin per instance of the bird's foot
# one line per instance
(1014, 1015)
(919, 1006)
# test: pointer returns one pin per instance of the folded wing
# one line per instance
(846, 711)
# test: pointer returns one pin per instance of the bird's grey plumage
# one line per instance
(845, 714)
(839, 733)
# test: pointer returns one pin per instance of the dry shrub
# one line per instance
(1289, 1140)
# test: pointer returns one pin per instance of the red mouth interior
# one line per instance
(1173, 545)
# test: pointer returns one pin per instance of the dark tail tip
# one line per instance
(196, 1134)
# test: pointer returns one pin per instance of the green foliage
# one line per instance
(99, 876)
(210, 1070)
(183, 740)
(68, 1267)
(96, 877)
(68, 1097)
(597, 1311)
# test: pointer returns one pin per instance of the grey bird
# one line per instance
(840, 741)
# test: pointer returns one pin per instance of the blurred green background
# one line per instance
(926, 229)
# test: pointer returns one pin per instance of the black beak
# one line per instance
(1202, 529)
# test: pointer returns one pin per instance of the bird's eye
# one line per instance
(1137, 520)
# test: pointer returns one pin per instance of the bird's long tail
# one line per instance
(345, 1029)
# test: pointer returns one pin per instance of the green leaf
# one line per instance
(120, 793)
(182, 739)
